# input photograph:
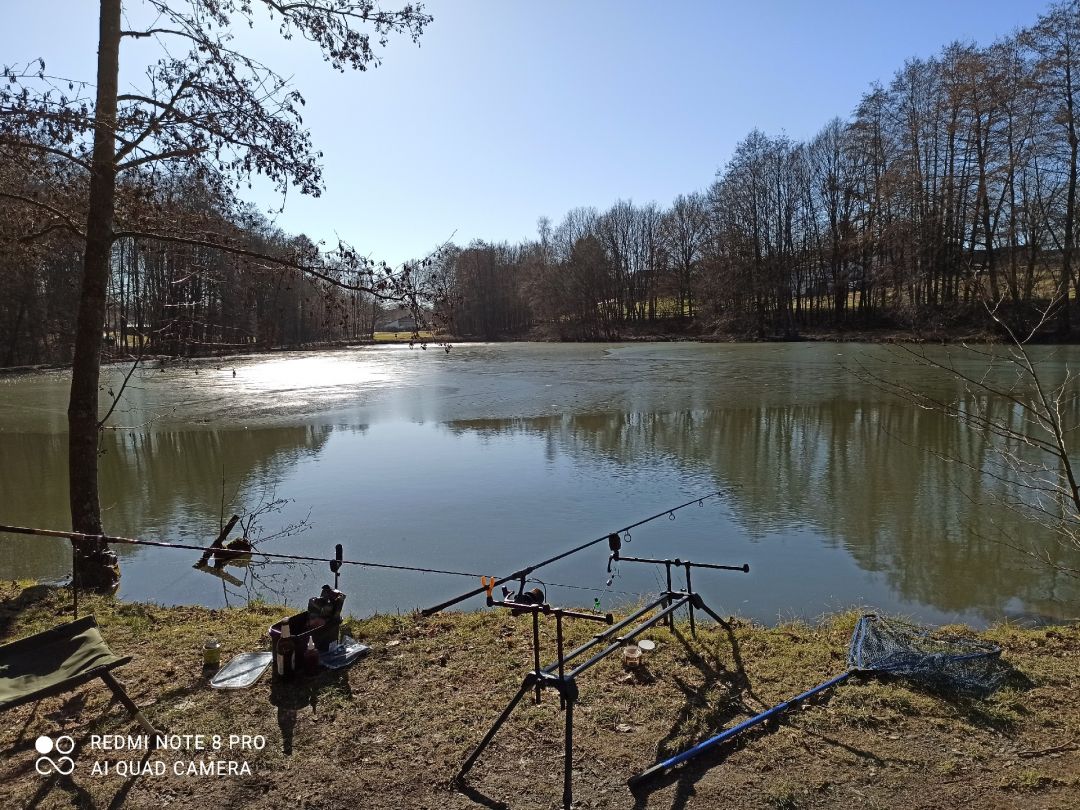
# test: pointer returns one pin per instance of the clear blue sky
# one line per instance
(512, 110)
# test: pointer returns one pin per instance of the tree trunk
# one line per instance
(1064, 321)
(13, 345)
(97, 568)
(1065, 324)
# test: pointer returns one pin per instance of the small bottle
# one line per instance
(211, 654)
(311, 658)
(286, 648)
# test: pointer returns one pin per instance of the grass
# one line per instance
(392, 730)
(785, 795)
(379, 337)
(404, 336)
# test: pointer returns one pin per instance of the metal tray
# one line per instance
(242, 671)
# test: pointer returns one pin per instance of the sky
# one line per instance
(508, 111)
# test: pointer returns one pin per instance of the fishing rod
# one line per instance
(487, 585)
(130, 541)
(227, 553)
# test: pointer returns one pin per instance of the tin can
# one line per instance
(211, 654)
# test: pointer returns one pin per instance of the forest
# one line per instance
(951, 186)
(164, 297)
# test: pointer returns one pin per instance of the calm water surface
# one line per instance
(494, 456)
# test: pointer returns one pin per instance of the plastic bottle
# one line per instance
(311, 658)
(286, 649)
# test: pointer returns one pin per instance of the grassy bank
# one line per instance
(392, 730)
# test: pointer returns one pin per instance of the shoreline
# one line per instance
(392, 730)
(869, 336)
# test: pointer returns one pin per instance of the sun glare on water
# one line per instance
(324, 376)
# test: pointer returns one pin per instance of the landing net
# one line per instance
(943, 661)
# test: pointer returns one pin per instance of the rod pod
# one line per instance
(527, 571)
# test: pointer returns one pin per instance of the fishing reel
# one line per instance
(525, 598)
(535, 596)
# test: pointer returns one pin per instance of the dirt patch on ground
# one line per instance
(392, 731)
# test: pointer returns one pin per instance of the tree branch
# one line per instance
(56, 212)
(315, 272)
(50, 150)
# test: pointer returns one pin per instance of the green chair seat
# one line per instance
(57, 661)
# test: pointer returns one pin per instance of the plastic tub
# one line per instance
(322, 635)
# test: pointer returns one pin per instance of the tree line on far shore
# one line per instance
(175, 298)
(953, 184)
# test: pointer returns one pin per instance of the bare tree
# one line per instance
(1055, 40)
(832, 170)
(684, 229)
(1026, 414)
(212, 109)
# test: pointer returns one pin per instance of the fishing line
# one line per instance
(286, 559)
(229, 553)
(656, 575)
(226, 552)
(589, 588)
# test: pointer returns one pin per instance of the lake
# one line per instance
(494, 456)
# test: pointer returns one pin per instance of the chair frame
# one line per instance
(104, 672)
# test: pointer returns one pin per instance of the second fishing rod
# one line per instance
(521, 575)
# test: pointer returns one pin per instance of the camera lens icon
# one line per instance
(45, 745)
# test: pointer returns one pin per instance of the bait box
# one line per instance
(298, 629)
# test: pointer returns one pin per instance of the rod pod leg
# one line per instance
(536, 653)
(690, 603)
(524, 690)
(568, 758)
(670, 620)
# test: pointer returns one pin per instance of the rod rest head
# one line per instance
(566, 686)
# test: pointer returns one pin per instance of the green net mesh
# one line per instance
(943, 661)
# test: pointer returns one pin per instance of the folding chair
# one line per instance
(59, 660)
